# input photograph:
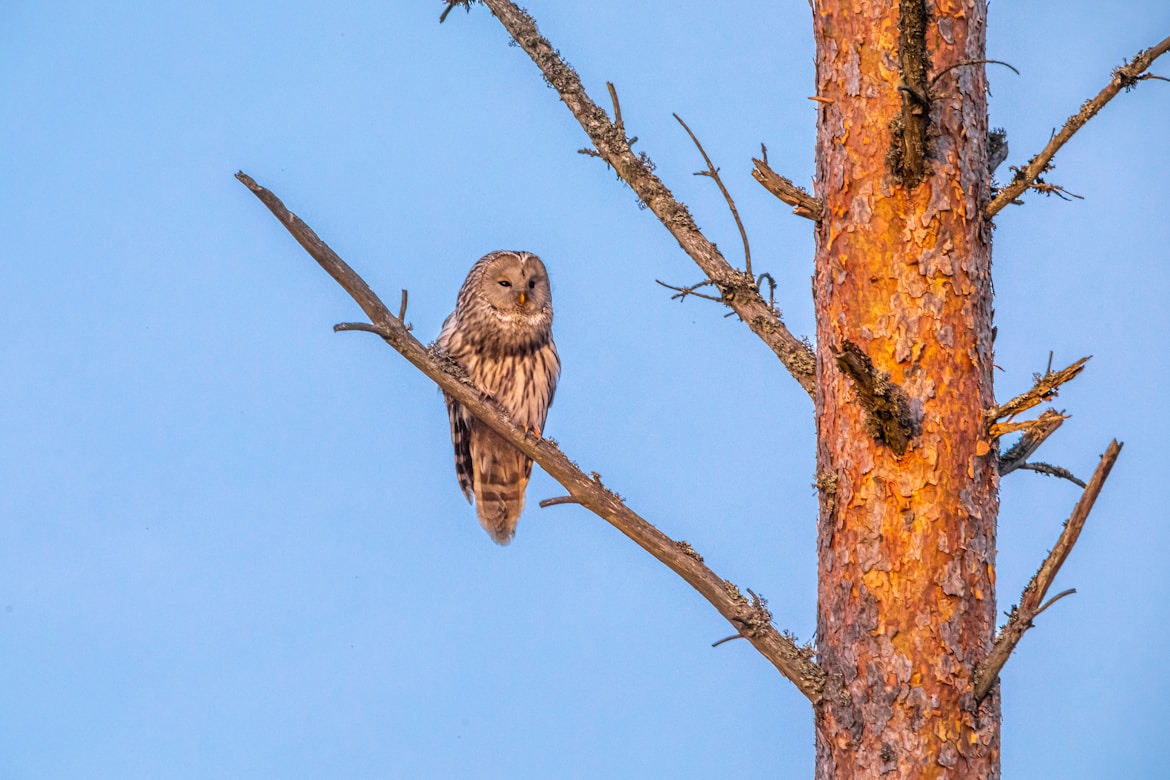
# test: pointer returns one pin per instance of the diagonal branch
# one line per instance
(739, 289)
(1032, 601)
(749, 617)
(1125, 77)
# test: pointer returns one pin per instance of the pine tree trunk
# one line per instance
(906, 470)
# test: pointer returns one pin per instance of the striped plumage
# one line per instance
(501, 334)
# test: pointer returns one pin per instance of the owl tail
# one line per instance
(501, 475)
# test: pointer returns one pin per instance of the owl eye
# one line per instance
(505, 283)
(531, 284)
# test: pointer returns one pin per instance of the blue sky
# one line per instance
(231, 541)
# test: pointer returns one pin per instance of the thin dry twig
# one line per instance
(617, 108)
(739, 290)
(1045, 188)
(965, 63)
(1032, 601)
(803, 204)
(1053, 471)
(793, 662)
(713, 173)
(1125, 77)
(559, 500)
(364, 327)
(683, 292)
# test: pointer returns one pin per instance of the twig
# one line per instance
(965, 63)
(402, 310)
(804, 204)
(744, 615)
(617, 108)
(738, 289)
(771, 287)
(1055, 599)
(451, 4)
(361, 326)
(1045, 188)
(713, 173)
(559, 500)
(1046, 388)
(1032, 600)
(1053, 471)
(1125, 77)
(683, 292)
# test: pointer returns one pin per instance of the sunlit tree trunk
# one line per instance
(906, 603)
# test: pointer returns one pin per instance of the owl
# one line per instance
(501, 334)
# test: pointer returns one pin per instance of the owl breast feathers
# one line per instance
(501, 334)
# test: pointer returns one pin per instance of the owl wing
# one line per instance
(461, 424)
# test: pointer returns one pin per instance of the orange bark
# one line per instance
(906, 602)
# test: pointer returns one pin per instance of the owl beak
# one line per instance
(523, 297)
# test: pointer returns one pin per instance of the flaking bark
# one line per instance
(906, 543)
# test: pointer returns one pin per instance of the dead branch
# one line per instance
(744, 615)
(804, 204)
(886, 404)
(1043, 426)
(713, 173)
(1046, 388)
(1032, 600)
(739, 290)
(1125, 77)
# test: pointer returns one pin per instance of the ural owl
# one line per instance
(501, 334)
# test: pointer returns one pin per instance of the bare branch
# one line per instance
(738, 289)
(804, 204)
(1032, 600)
(744, 615)
(713, 173)
(1125, 77)
(1042, 427)
(1045, 389)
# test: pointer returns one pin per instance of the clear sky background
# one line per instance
(231, 541)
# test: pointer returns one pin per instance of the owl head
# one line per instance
(514, 283)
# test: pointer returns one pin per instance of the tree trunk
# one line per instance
(906, 468)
